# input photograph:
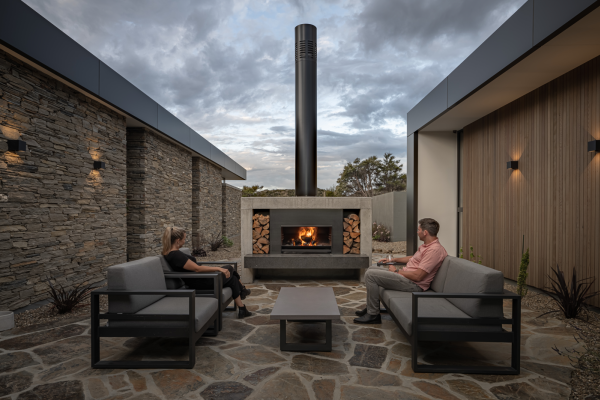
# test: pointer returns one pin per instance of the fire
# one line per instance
(307, 236)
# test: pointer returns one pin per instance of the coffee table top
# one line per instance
(305, 303)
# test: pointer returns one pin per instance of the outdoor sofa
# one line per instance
(463, 304)
(140, 305)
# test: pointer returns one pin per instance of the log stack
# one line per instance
(260, 234)
(352, 234)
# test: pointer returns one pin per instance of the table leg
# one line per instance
(327, 346)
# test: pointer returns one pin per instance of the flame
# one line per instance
(307, 236)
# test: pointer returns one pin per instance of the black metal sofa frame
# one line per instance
(422, 334)
(189, 331)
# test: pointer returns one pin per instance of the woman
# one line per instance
(172, 240)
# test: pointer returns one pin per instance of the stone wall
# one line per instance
(159, 190)
(207, 202)
(232, 205)
(59, 217)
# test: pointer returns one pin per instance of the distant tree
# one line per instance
(252, 191)
(390, 177)
(359, 178)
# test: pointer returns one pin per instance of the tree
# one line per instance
(359, 178)
(252, 191)
(390, 177)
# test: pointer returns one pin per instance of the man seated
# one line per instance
(415, 277)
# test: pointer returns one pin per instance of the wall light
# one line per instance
(594, 146)
(512, 165)
(99, 165)
(17, 145)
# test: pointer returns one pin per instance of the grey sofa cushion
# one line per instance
(402, 309)
(226, 296)
(386, 295)
(205, 308)
(437, 285)
(143, 274)
(186, 250)
(464, 276)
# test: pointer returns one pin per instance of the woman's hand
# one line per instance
(225, 271)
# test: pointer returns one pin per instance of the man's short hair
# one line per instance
(430, 225)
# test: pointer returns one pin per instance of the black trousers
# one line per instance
(232, 282)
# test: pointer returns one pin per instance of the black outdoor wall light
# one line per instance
(99, 165)
(512, 165)
(17, 145)
(594, 146)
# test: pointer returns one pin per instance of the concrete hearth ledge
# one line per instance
(318, 261)
(307, 261)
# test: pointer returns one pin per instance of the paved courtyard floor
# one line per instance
(244, 361)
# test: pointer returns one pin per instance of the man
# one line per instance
(415, 277)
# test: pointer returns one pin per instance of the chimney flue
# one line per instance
(306, 110)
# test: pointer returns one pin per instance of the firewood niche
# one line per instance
(260, 234)
(352, 234)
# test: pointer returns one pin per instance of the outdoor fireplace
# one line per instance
(305, 239)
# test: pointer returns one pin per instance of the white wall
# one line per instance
(438, 184)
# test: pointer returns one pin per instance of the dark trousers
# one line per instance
(232, 282)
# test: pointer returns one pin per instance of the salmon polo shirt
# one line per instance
(429, 258)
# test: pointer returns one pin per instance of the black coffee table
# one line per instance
(305, 304)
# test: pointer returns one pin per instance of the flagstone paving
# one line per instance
(244, 360)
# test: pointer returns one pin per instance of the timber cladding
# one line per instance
(554, 196)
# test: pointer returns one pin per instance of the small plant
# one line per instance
(227, 242)
(522, 278)
(570, 299)
(381, 233)
(63, 300)
(460, 254)
(214, 241)
(198, 252)
(472, 257)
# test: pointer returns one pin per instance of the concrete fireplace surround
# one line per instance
(305, 263)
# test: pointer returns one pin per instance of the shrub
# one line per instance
(472, 257)
(570, 298)
(522, 278)
(214, 241)
(227, 242)
(381, 233)
(63, 300)
(198, 252)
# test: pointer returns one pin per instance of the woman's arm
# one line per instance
(192, 266)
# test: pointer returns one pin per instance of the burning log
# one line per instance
(260, 234)
(351, 234)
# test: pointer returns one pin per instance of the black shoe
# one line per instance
(361, 312)
(368, 319)
(243, 312)
(245, 293)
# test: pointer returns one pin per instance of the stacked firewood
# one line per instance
(260, 234)
(352, 234)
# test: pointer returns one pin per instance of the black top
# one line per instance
(177, 259)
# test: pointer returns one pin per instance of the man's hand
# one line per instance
(384, 261)
(225, 271)
(392, 268)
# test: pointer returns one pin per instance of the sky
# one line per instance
(226, 68)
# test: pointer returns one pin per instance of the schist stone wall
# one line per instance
(207, 201)
(159, 190)
(59, 217)
(232, 205)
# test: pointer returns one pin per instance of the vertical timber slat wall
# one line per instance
(554, 196)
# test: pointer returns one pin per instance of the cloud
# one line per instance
(226, 68)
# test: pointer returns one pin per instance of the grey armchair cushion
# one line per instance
(143, 274)
(402, 309)
(186, 250)
(205, 308)
(437, 285)
(226, 296)
(387, 295)
(464, 276)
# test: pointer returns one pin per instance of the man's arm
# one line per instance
(416, 276)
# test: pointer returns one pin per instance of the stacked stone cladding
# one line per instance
(59, 217)
(207, 202)
(159, 190)
(232, 205)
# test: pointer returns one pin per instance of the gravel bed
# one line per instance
(389, 247)
(585, 382)
(47, 313)
(223, 253)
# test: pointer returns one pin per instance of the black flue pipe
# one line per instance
(306, 110)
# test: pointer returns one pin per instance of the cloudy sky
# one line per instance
(226, 67)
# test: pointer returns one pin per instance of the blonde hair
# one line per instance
(169, 237)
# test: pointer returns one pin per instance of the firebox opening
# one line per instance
(305, 239)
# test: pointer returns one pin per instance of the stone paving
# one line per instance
(244, 360)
